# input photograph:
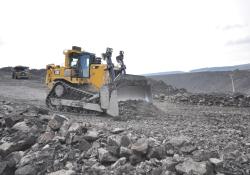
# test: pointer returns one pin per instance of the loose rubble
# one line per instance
(133, 109)
(35, 142)
(223, 100)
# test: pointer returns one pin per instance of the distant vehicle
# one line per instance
(19, 72)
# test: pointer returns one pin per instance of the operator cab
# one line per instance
(80, 62)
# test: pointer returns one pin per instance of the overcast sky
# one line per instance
(156, 35)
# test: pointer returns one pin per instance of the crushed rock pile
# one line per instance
(34, 142)
(159, 88)
(135, 109)
(234, 100)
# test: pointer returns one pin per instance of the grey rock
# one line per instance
(179, 141)
(26, 170)
(84, 145)
(188, 148)
(4, 147)
(125, 141)
(57, 121)
(135, 159)
(168, 173)
(21, 126)
(14, 158)
(117, 130)
(157, 152)
(91, 135)
(114, 150)
(46, 137)
(28, 158)
(170, 149)
(105, 157)
(45, 117)
(178, 158)
(119, 162)
(63, 131)
(11, 120)
(152, 142)
(114, 140)
(97, 169)
(20, 145)
(3, 166)
(215, 161)
(204, 155)
(69, 165)
(157, 171)
(125, 152)
(190, 166)
(8, 108)
(63, 172)
(169, 164)
(140, 147)
(74, 127)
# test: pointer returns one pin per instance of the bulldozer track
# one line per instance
(73, 94)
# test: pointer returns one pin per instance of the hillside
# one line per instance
(207, 82)
(224, 68)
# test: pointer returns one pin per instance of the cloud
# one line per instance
(240, 41)
(233, 26)
(1, 42)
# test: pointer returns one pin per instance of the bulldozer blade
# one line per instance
(113, 109)
(133, 87)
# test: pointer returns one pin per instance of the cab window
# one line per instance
(73, 62)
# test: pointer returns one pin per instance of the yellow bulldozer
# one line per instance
(87, 85)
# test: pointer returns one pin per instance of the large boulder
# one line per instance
(26, 170)
(197, 168)
(105, 157)
(19, 145)
(21, 126)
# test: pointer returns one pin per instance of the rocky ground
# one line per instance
(164, 138)
(237, 99)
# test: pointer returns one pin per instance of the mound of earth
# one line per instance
(133, 109)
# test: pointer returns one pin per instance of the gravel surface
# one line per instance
(177, 139)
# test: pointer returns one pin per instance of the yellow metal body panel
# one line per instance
(98, 76)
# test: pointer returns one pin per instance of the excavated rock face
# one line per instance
(39, 144)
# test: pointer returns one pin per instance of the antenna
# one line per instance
(231, 76)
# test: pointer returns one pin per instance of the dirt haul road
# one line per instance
(175, 139)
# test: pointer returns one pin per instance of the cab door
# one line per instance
(84, 66)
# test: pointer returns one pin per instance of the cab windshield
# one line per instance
(80, 63)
